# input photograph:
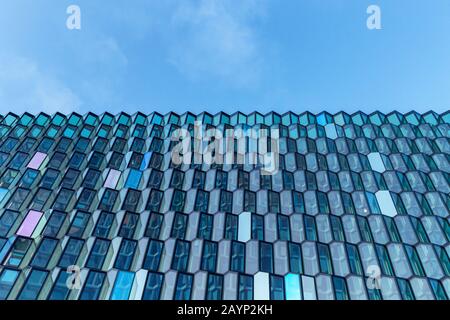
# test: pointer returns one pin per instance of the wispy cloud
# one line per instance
(25, 87)
(215, 39)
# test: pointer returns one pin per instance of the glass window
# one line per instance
(44, 253)
(153, 285)
(231, 226)
(226, 201)
(179, 226)
(209, 256)
(257, 227)
(177, 179)
(79, 224)
(33, 285)
(178, 200)
(154, 200)
(295, 258)
(60, 291)
(17, 252)
(420, 230)
(91, 179)
(134, 179)
(129, 225)
(324, 258)
(132, 200)
(49, 178)
(299, 204)
(336, 226)
(104, 224)
(7, 280)
(122, 286)
(71, 253)
(28, 178)
(70, 178)
(108, 200)
(405, 289)
(215, 287)
(322, 200)
(7, 220)
(201, 201)
(155, 179)
(310, 227)
(385, 262)
(340, 288)
(364, 229)
(154, 225)
(205, 227)
(276, 288)
(274, 202)
(266, 257)
(237, 257)
(245, 287)
(93, 286)
(115, 162)
(183, 287)
(414, 260)
(125, 255)
(40, 199)
(98, 254)
(153, 255)
(438, 290)
(181, 255)
(354, 259)
(283, 228)
(221, 179)
(54, 224)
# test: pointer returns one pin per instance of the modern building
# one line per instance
(94, 207)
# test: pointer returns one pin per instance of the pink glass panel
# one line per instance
(29, 224)
(37, 160)
(112, 179)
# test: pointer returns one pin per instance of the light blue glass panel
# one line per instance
(7, 280)
(122, 286)
(376, 162)
(309, 288)
(3, 193)
(386, 204)
(330, 130)
(262, 286)
(134, 178)
(244, 231)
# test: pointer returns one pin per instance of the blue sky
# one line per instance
(230, 55)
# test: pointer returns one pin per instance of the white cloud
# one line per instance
(25, 87)
(212, 38)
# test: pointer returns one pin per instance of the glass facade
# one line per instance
(358, 210)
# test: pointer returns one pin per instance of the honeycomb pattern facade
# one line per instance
(358, 210)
